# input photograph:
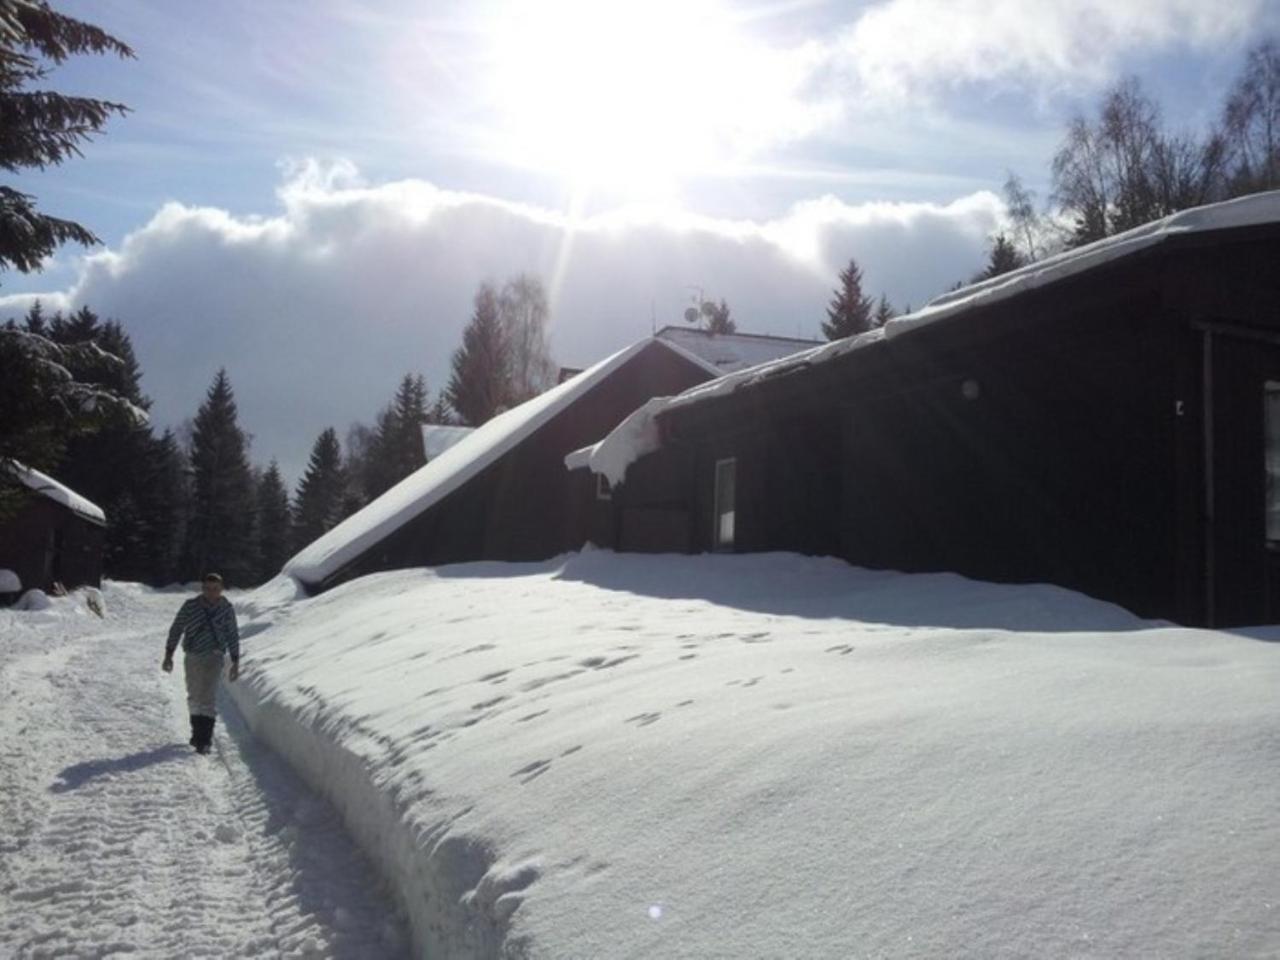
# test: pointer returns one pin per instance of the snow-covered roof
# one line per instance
(729, 352)
(635, 436)
(448, 471)
(46, 486)
(437, 438)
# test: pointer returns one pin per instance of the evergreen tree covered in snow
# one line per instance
(850, 311)
(321, 494)
(219, 533)
(52, 393)
(42, 127)
(109, 466)
(480, 384)
(273, 529)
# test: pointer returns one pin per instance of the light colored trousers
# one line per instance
(203, 671)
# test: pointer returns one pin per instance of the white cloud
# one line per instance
(317, 309)
(899, 48)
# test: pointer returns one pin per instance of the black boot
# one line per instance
(204, 734)
(195, 731)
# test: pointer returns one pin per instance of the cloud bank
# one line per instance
(319, 307)
(904, 48)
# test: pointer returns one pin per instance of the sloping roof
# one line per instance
(729, 352)
(438, 437)
(634, 437)
(46, 486)
(484, 445)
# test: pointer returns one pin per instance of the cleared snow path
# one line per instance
(116, 839)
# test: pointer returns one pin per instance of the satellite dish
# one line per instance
(691, 315)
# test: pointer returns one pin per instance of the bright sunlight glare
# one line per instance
(637, 97)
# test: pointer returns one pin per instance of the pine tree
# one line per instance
(393, 449)
(318, 504)
(109, 466)
(274, 524)
(480, 385)
(850, 309)
(165, 501)
(219, 534)
(43, 128)
(884, 312)
(1003, 258)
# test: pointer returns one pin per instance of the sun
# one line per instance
(633, 97)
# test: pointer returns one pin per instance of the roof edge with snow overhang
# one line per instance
(619, 449)
(59, 493)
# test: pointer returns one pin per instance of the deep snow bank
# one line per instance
(587, 759)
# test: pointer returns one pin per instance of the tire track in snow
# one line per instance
(117, 839)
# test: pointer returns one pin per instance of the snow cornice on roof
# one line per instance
(612, 455)
(46, 486)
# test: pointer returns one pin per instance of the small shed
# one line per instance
(56, 537)
(1107, 420)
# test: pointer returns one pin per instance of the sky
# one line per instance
(309, 194)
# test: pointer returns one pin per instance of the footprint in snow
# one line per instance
(841, 648)
(531, 771)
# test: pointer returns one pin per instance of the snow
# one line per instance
(630, 440)
(10, 582)
(46, 486)
(117, 840)
(1253, 210)
(772, 755)
(728, 352)
(437, 438)
(447, 472)
(33, 601)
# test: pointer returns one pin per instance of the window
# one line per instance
(604, 489)
(726, 495)
(1271, 441)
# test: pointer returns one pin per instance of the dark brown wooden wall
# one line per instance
(25, 542)
(1080, 462)
(1228, 293)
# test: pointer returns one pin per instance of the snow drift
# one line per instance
(769, 755)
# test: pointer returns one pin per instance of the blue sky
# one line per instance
(287, 169)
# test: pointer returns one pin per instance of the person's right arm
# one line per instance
(175, 634)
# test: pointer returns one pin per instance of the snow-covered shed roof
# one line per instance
(448, 471)
(729, 352)
(637, 435)
(46, 486)
(437, 438)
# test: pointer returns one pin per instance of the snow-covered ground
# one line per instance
(116, 840)
(776, 756)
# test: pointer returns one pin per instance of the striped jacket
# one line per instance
(205, 629)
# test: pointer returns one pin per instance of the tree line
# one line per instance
(1124, 166)
(1114, 170)
(180, 503)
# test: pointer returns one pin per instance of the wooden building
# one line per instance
(500, 492)
(1107, 420)
(56, 537)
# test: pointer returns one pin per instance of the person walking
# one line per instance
(207, 627)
